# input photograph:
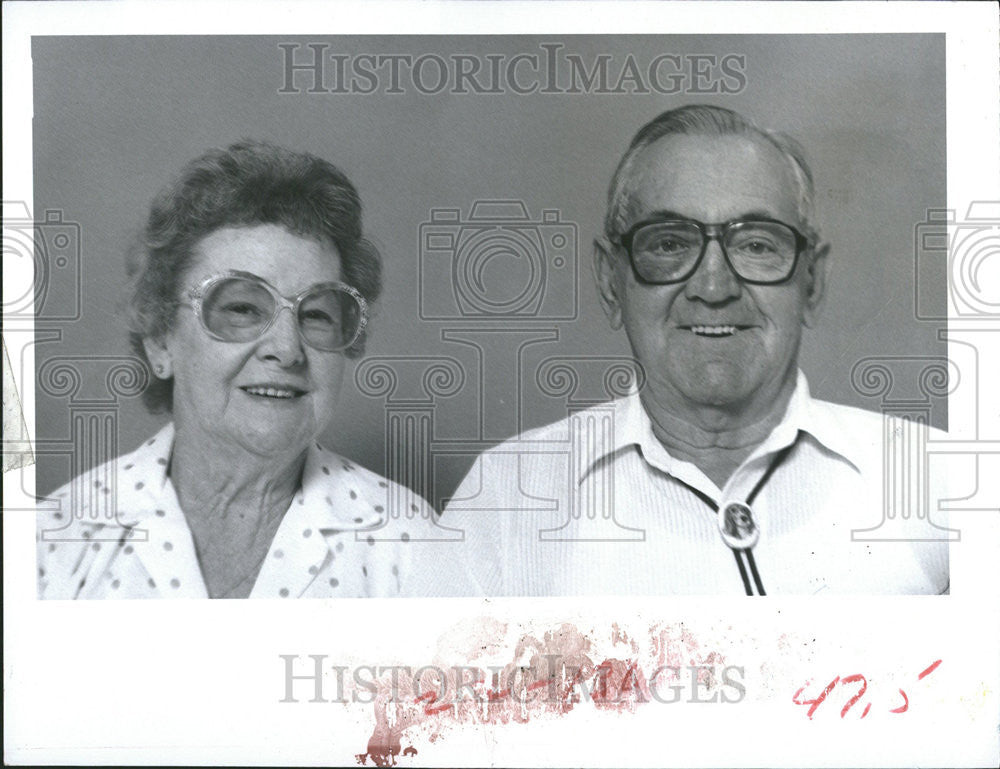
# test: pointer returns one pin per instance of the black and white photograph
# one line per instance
(636, 355)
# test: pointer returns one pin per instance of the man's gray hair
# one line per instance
(705, 120)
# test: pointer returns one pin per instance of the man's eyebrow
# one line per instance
(667, 214)
(653, 216)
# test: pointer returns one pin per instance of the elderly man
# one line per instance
(721, 474)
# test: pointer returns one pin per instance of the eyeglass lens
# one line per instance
(758, 251)
(239, 310)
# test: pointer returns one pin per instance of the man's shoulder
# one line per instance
(535, 461)
(848, 417)
(864, 436)
(864, 421)
(540, 439)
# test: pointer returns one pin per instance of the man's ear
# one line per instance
(159, 356)
(815, 287)
(608, 285)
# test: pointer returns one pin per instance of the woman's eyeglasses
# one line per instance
(241, 307)
(761, 251)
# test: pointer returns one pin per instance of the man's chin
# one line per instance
(732, 389)
(719, 383)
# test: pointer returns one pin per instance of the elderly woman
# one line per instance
(235, 498)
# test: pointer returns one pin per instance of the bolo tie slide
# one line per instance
(739, 528)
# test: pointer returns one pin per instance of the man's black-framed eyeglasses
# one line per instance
(759, 251)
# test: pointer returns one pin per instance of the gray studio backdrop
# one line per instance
(453, 365)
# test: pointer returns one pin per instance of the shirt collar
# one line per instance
(633, 427)
(144, 486)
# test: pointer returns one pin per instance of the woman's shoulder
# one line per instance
(108, 485)
(342, 468)
(346, 484)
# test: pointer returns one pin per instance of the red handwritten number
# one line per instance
(905, 706)
(815, 703)
(853, 701)
(929, 670)
(855, 679)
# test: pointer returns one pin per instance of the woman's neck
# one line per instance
(233, 502)
(210, 482)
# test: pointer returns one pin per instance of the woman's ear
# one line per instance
(815, 286)
(159, 356)
(608, 283)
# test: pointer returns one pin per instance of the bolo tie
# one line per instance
(739, 528)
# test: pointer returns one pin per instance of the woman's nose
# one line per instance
(282, 342)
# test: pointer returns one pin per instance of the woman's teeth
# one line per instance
(270, 392)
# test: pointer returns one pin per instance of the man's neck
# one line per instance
(716, 440)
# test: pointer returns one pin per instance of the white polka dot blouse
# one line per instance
(117, 531)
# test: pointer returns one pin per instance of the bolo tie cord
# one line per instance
(747, 553)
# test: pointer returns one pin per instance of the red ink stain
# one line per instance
(929, 670)
(544, 676)
(867, 708)
(905, 706)
(620, 685)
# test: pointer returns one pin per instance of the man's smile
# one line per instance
(714, 331)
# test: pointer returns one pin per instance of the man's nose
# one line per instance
(282, 342)
(714, 282)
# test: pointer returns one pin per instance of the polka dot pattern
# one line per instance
(324, 546)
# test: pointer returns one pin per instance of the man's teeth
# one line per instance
(270, 392)
(714, 330)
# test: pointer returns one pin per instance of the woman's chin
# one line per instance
(276, 444)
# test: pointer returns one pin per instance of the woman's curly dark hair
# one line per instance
(246, 184)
